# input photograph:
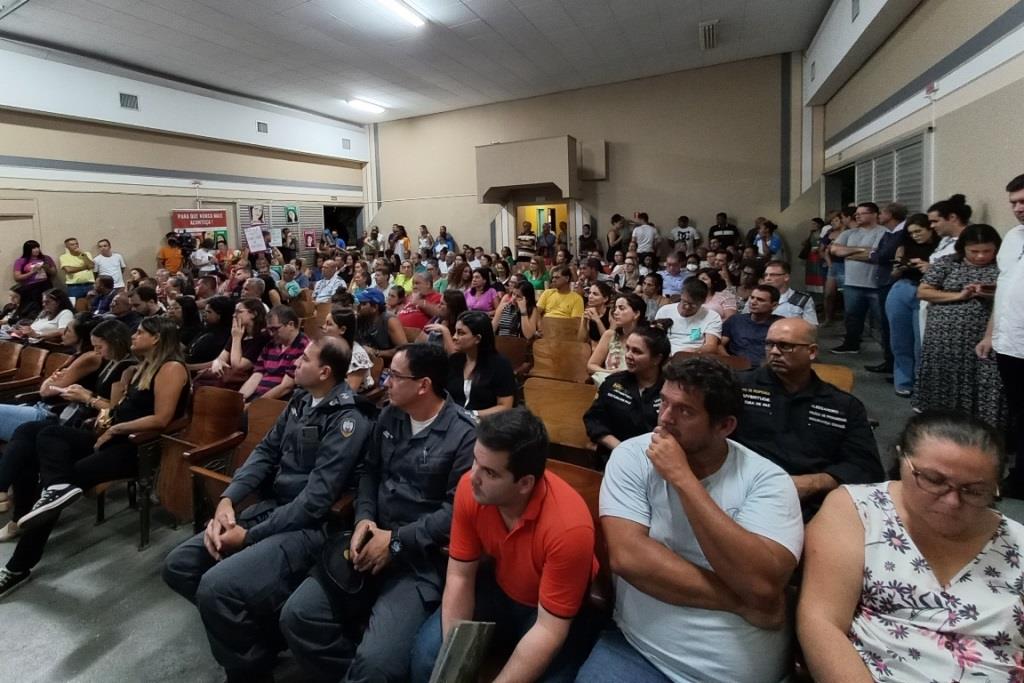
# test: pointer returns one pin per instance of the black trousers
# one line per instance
(64, 456)
(1011, 371)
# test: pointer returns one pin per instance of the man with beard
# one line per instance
(817, 433)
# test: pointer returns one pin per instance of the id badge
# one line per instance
(695, 334)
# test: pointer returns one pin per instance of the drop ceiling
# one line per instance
(315, 54)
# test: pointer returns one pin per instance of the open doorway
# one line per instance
(557, 214)
(346, 220)
(840, 188)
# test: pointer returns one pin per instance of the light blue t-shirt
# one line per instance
(686, 643)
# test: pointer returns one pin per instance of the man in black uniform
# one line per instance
(817, 433)
(421, 446)
(241, 569)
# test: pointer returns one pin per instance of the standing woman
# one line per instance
(516, 314)
(959, 291)
(537, 274)
(71, 460)
(595, 318)
(479, 378)
(615, 237)
(587, 241)
(610, 353)
(481, 296)
(426, 240)
(33, 272)
(836, 277)
(902, 306)
(403, 245)
(341, 323)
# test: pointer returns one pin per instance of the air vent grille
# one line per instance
(708, 34)
(262, 127)
(346, 143)
(129, 101)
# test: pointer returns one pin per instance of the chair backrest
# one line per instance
(9, 354)
(262, 414)
(81, 304)
(311, 327)
(322, 309)
(564, 360)
(559, 328)
(216, 413)
(839, 376)
(561, 406)
(514, 349)
(376, 370)
(54, 362)
(30, 363)
(303, 308)
(737, 363)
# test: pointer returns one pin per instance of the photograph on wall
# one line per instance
(309, 237)
(291, 214)
(256, 215)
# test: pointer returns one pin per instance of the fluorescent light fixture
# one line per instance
(404, 11)
(363, 105)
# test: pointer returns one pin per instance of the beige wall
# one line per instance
(932, 31)
(692, 142)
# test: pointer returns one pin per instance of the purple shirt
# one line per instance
(483, 302)
(23, 265)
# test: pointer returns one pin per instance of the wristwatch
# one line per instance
(395, 546)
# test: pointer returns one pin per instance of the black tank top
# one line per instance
(138, 403)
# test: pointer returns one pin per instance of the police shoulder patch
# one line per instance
(348, 427)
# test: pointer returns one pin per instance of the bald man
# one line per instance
(815, 432)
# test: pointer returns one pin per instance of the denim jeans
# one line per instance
(12, 417)
(614, 660)
(78, 291)
(858, 301)
(901, 308)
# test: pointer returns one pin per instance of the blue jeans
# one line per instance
(12, 417)
(78, 291)
(901, 308)
(513, 621)
(858, 300)
(614, 660)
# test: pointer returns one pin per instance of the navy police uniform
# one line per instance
(622, 410)
(303, 465)
(407, 486)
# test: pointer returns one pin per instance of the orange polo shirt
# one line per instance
(546, 559)
(172, 258)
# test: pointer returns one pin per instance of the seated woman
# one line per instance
(722, 299)
(628, 402)
(184, 311)
(627, 277)
(71, 460)
(479, 378)
(481, 295)
(917, 579)
(651, 290)
(516, 315)
(214, 334)
(595, 321)
(56, 315)
(610, 353)
(453, 304)
(421, 305)
(341, 323)
(395, 299)
(233, 366)
(17, 309)
(105, 344)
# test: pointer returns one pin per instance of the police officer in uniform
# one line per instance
(628, 402)
(817, 433)
(792, 303)
(421, 446)
(244, 566)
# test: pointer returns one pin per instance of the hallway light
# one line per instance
(404, 11)
(363, 105)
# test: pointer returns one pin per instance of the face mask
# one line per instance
(692, 267)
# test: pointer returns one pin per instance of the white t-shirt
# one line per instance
(1008, 320)
(41, 325)
(686, 643)
(110, 265)
(645, 235)
(687, 334)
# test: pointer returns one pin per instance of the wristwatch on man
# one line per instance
(395, 546)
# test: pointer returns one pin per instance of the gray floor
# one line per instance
(96, 609)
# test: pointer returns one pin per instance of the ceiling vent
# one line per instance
(707, 33)
(129, 101)
(262, 127)
(346, 143)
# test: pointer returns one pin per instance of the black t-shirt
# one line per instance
(208, 344)
(727, 236)
(493, 378)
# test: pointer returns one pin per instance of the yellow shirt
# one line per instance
(404, 282)
(81, 277)
(557, 305)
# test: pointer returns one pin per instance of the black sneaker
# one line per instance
(10, 581)
(882, 368)
(50, 503)
(843, 348)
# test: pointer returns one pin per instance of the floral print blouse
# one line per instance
(908, 627)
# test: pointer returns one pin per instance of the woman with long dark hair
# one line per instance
(33, 272)
(479, 377)
(184, 311)
(341, 323)
(233, 366)
(72, 460)
(441, 330)
(610, 352)
(596, 316)
(214, 334)
(481, 296)
(516, 315)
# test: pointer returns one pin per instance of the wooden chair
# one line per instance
(303, 307)
(736, 363)
(30, 367)
(587, 483)
(564, 329)
(220, 460)
(311, 327)
(561, 406)
(839, 376)
(563, 360)
(81, 304)
(9, 354)
(516, 350)
(322, 310)
(51, 364)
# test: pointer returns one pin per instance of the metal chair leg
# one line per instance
(101, 507)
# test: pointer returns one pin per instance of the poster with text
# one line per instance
(254, 239)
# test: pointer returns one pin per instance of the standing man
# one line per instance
(687, 234)
(77, 266)
(1005, 334)
(792, 304)
(725, 232)
(240, 571)
(860, 293)
(546, 243)
(744, 334)
(646, 236)
(558, 300)
(169, 257)
(540, 535)
(273, 375)
(109, 263)
(893, 217)
(420, 448)
(703, 535)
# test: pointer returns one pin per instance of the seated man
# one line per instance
(540, 535)
(792, 304)
(144, 301)
(694, 328)
(703, 535)
(420, 448)
(559, 301)
(121, 309)
(273, 375)
(329, 284)
(743, 334)
(244, 566)
(817, 433)
(101, 295)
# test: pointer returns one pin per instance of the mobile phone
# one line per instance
(988, 289)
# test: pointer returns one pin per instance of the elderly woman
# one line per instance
(917, 579)
(57, 314)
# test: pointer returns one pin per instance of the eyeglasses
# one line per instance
(398, 375)
(937, 485)
(273, 328)
(783, 347)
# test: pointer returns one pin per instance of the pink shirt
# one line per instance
(483, 302)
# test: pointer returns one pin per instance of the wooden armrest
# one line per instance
(344, 505)
(8, 373)
(21, 383)
(206, 451)
(209, 474)
(149, 436)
